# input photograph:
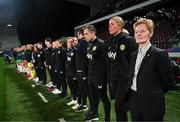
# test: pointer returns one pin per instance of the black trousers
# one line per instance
(57, 80)
(145, 116)
(41, 71)
(121, 107)
(60, 81)
(36, 70)
(138, 114)
(97, 93)
(53, 76)
(83, 88)
(73, 86)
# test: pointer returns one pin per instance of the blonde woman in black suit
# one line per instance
(150, 75)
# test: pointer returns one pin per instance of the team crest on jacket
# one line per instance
(68, 59)
(94, 48)
(100, 87)
(122, 47)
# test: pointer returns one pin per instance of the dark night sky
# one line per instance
(37, 19)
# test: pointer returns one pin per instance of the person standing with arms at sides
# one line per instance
(52, 87)
(59, 69)
(150, 75)
(118, 52)
(81, 72)
(71, 70)
(48, 51)
(40, 64)
(96, 75)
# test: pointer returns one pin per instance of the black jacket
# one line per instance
(81, 59)
(96, 62)
(60, 57)
(48, 52)
(40, 58)
(52, 57)
(118, 52)
(70, 62)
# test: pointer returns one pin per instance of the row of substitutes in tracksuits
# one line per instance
(80, 65)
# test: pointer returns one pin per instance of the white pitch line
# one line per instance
(42, 97)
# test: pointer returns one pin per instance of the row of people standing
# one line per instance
(84, 68)
(137, 73)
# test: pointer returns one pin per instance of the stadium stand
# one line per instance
(165, 16)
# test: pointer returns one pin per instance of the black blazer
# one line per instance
(153, 78)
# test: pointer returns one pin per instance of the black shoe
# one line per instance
(69, 98)
(62, 95)
(90, 116)
(81, 108)
(87, 114)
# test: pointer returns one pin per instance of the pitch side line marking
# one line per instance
(42, 97)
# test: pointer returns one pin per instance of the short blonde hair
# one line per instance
(119, 21)
(148, 22)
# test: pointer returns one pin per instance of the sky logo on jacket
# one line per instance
(112, 55)
(89, 56)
